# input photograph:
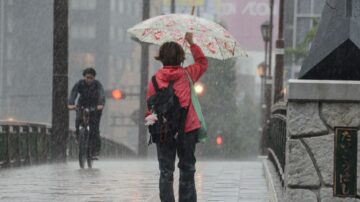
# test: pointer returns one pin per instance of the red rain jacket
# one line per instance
(181, 84)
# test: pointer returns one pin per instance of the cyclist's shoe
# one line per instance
(77, 137)
(95, 156)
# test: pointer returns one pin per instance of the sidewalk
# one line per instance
(130, 181)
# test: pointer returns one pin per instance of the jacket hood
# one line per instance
(169, 73)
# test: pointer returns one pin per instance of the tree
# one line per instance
(302, 49)
(235, 123)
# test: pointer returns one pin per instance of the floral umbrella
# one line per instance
(214, 40)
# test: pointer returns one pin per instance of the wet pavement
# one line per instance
(130, 181)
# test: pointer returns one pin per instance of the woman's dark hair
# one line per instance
(89, 70)
(171, 54)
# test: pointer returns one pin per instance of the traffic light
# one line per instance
(219, 140)
(115, 94)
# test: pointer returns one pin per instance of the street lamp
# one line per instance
(265, 31)
(199, 88)
(266, 35)
(266, 86)
(261, 70)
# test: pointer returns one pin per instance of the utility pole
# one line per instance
(279, 59)
(2, 59)
(271, 36)
(60, 114)
(172, 6)
(268, 81)
(142, 141)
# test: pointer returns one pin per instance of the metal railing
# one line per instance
(24, 143)
(277, 138)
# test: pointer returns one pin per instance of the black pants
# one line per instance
(184, 146)
(95, 139)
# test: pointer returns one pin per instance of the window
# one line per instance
(303, 25)
(318, 6)
(83, 4)
(120, 34)
(304, 6)
(128, 64)
(89, 59)
(129, 7)
(91, 32)
(75, 4)
(91, 4)
(74, 32)
(119, 63)
(305, 12)
(83, 59)
(121, 6)
(9, 49)
(137, 9)
(113, 5)
(112, 33)
(83, 31)
(10, 23)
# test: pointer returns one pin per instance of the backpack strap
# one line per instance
(171, 83)
(155, 83)
(190, 84)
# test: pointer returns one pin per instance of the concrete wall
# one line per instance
(311, 119)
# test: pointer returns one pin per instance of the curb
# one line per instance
(269, 182)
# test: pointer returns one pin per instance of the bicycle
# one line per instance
(85, 148)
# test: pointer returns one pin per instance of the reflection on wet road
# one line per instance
(128, 180)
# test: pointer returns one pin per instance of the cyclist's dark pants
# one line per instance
(95, 139)
(184, 146)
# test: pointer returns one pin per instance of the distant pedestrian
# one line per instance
(183, 139)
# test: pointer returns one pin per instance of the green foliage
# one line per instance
(302, 49)
(237, 124)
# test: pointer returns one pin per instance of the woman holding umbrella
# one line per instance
(172, 55)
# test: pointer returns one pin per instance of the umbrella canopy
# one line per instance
(214, 40)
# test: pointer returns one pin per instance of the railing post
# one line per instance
(7, 147)
(43, 145)
(16, 134)
(36, 149)
(27, 143)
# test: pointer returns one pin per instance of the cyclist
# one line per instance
(92, 95)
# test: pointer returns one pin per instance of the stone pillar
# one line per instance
(315, 108)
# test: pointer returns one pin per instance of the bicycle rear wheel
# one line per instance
(82, 148)
(89, 159)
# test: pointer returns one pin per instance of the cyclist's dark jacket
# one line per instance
(90, 95)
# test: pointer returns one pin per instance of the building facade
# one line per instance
(97, 37)
(26, 59)
(300, 17)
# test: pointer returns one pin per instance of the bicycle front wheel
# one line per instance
(82, 148)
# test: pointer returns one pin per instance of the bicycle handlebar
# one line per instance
(91, 109)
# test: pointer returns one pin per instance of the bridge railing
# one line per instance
(277, 138)
(23, 143)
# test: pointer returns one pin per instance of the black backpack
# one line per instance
(171, 117)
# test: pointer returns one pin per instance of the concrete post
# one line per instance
(315, 109)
